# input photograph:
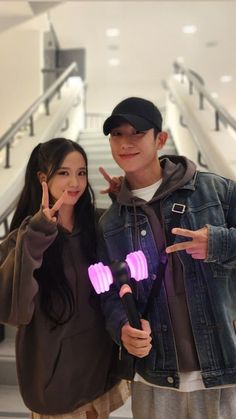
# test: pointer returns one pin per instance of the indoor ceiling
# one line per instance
(150, 38)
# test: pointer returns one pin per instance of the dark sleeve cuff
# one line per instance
(39, 222)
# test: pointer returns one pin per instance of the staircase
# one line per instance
(11, 403)
(97, 148)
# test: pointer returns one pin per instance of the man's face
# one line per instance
(134, 151)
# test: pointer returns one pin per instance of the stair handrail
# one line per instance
(45, 98)
(220, 112)
(5, 215)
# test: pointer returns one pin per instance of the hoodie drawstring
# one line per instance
(136, 241)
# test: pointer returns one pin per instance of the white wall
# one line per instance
(103, 98)
(20, 75)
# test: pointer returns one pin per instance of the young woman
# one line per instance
(63, 353)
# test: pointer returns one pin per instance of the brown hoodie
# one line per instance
(176, 172)
(63, 368)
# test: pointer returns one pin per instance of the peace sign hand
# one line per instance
(114, 182)
(197, 247)
(50, 212)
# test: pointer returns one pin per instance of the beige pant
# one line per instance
(101, 407)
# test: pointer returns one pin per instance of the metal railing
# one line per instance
(8, 137)
(221, 114)
(28, 116)
(4, 217)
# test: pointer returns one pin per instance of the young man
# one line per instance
(185, 223)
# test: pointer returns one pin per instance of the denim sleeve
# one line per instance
(222, 240)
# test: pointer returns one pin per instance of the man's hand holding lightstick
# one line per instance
(135, 334)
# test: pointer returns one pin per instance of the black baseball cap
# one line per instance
(140, 113)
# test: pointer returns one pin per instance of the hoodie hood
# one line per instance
(176, 172)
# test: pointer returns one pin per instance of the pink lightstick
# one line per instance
(135, 266)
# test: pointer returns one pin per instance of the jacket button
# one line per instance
(154, 276)
(164, 328)
(170, 380)
(143, 233)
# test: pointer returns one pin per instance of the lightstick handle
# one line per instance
(130, 307)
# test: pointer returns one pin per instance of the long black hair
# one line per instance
(54, 288)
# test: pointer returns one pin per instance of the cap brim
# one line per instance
(140, 124)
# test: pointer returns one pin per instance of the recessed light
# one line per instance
(211, 44)
(114, 62)
(226, 78)
(113, 47)
(112, 32)
(180, 60)
(214, 95)
(178, 77)
(189, 29)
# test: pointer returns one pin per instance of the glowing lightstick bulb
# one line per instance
(134, 266)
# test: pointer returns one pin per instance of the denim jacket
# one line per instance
(210, 284)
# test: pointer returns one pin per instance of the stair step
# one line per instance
(10, 331)
(8, 375)
(11, 403)
(100, 157)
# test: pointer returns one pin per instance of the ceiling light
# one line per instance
(113, 47)
(112, 32)
(214, 95)
(178, 77)
(180, 60)
(211, 44)
(226, 78)
(189, 29)
(114, 62)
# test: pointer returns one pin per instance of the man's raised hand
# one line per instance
(114, 182)
(197, 247)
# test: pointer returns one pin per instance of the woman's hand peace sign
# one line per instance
(50, 212)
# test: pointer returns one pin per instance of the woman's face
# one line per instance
(71, 176)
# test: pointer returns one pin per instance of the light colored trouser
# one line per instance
(157, 403)
(100, 407)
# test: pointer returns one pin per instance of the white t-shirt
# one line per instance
(189, 381)
(147, 193)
